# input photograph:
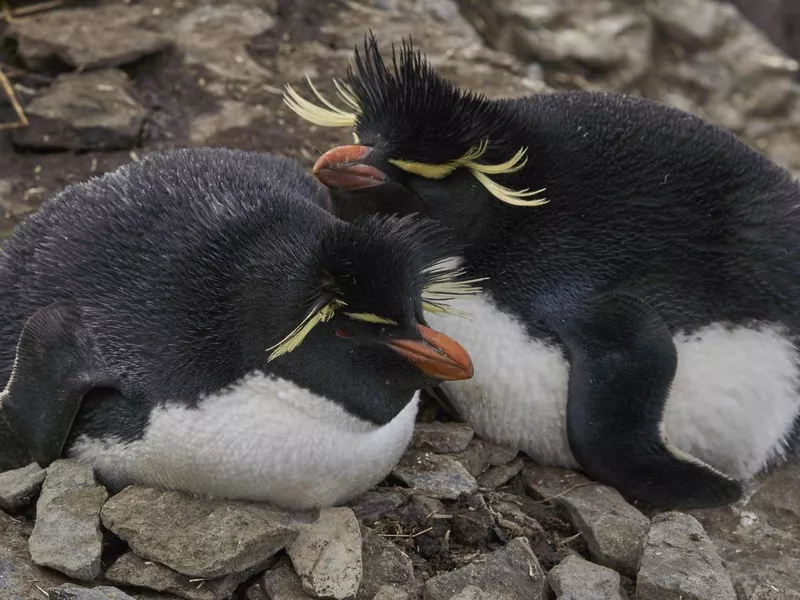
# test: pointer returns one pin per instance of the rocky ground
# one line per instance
(102, 83)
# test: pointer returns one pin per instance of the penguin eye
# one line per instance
(343, 333)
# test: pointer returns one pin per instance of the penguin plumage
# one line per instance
(198, 320)
(641, 307)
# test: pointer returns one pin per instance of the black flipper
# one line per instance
(622, 363)
(54, 367)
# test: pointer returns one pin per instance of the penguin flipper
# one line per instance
(622, 363)
(54, 367)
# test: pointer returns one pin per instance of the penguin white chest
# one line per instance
(732, 403)
(264, 439)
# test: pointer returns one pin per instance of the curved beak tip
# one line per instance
(342, 168)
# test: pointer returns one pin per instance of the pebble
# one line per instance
(391, 592)
(131, 570)
(498, 476)
(613, 530)
(282, 583)
(680, 561)
(479, 455)
(327, 555)
(575, 578)
(86, 38)
(511, 573)
(435, 475)
(83, 111)
(384, 565)
(442, 438)
(19, 487)
(225, 536)
(69, 591)
(67, 535)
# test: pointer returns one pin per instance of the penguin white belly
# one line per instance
(732, 404)
(264, 440)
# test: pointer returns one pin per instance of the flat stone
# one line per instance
(511, 573)
(231, 115)
(67, 535)
(680, 561)
(384, 565)
(282, 583)
(577, 579)
(472, 592)
(19, 487)
(613, 529)
(84, 111)
(434, 475)
(496, 477)
(225, 536)
(20, 579)
(391, 592)
(374, 504)
(442, 438)
(511, 517)
(86, 38)
(131, 570)
(479, 455)
(327, 555)
(70, 591)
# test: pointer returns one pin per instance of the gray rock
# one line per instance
(510, 517)
(751, 588)
(19, 487)
(692, 22)
(225, 536)
(85, 111)
(372, 505)
(20, 579)
(131, 570)
(511, 573)
(479, 455)
(614, 530)
(391, 592)
(327, 555)
(679, 561)
(86, 38)
(384, 565)
(442, 438)
(496, 477)
(67, 535)
(70, 591)
(543, 483)
(577, 579)
(435, 475)
(282, 583)
(472, 593)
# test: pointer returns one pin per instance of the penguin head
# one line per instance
(421, 144)
(350, 321)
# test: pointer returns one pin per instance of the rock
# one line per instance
(86, 38)
(19, 487)
(85, 111)
(232, 114)
(692, 22)
(473, 525)
(67, 535)
(19, 577)
(680, 561)
(472, 593)
(435, 475)
(441, 438)
(372, 505)
(496, 477)
(384, 565)
(753, 589)
(511, 573)
(391, 592)
(215, 36)
(479, 455)
(131, 570)
(613, 529)
(577, 579)
(511, 518)
(282, 583)
(225, 536)
(70, 591)
(327, 555)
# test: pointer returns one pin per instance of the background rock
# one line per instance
(384, 565)
(441, 437)
(20, 486)
(578, 579)
(434, 475)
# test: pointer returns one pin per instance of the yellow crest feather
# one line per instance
(298, 334)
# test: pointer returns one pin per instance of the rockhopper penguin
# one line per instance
(639, 319)
(198, 321)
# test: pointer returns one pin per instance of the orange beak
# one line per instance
(341, 168)
(437, 356)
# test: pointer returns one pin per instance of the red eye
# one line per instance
(343, 333)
